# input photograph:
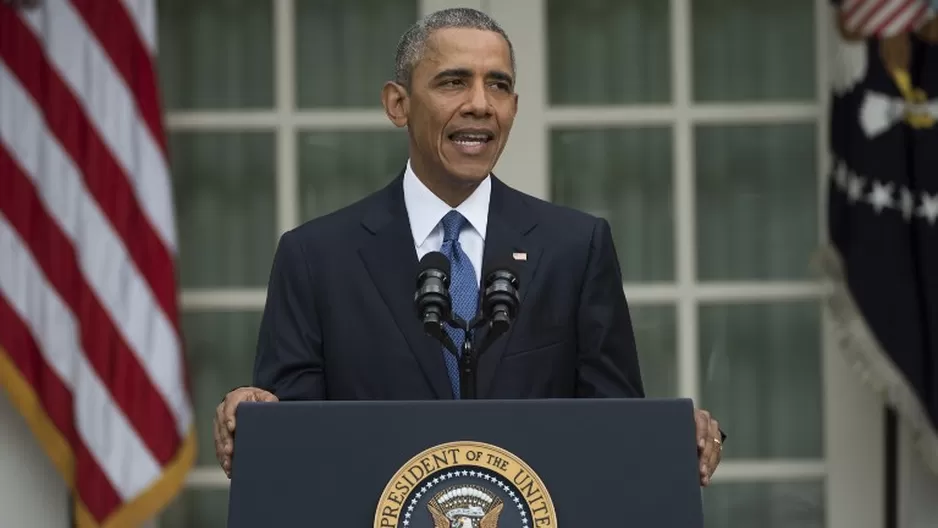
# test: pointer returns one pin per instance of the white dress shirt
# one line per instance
(426, 210)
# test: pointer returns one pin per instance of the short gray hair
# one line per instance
(413, 42)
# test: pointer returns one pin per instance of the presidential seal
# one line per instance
(465, 485)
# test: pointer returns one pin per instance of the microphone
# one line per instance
(432, 300)
(500, 301)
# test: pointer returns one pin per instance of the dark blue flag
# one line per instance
(883, 206)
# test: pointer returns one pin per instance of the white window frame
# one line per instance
(853, 425)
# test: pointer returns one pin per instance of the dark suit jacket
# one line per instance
(339, 322)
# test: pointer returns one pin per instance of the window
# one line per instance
(695, 127)
(705, 164)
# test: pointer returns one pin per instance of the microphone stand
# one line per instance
(469, 358)
(498, 322)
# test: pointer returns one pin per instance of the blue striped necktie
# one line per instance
(463, 288)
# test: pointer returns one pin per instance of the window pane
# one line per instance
(217, 54)
(338, 168)
(753, 50)
(197, 508)
(608, 52)
(656, 339)
(220, 350)
(765, 505)
(757, 202)
(224, 197)
(623, 175)
(760, 376)
(345, 49)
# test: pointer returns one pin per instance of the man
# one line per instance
(339, 321)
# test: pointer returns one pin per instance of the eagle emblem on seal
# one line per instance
(466, 506)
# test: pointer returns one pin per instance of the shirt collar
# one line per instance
(426, 209)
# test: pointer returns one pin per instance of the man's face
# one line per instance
(462, 104)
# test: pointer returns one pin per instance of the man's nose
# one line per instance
(478, 103)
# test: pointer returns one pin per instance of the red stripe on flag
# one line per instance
(102, 343)
(115, 31)
(92, 485)
(103, 176)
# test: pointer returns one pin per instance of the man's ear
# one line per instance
(396, 103)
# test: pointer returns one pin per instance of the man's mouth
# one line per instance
(471, 142)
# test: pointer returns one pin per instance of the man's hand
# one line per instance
(225, 421)
(709, 445)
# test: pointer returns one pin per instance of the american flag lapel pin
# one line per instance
(519, 255)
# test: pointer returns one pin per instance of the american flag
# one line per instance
(90, 348)
(882, 206)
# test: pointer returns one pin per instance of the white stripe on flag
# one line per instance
(103, 259)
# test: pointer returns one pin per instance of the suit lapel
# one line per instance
(391, 260)
(509, 223)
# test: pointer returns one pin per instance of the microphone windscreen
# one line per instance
(435, 260)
